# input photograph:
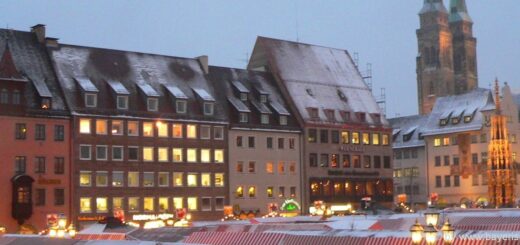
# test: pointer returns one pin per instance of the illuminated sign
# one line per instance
(90, 218)
(139, 217)
(290, 205)
(351, 148)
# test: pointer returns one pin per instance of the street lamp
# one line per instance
(448, 233)
(72, 230)
(432, 217)
(416, 231)
(430, 234)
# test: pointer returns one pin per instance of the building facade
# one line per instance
(346, 152)
(446, 61)
(264, 142)
(34, 150)
(149, 136)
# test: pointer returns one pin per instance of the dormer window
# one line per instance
(180, 106)
(283, 120)
(16, 97)
(45, 103)
(467, 119)
(122, 102)
(445, 118)
(443, 122)
(361, 116)
(264, 118)
(90, 100)
(455, 120)
(243, 96)
(345, 115)
(468, 116)
(152, 104)
(330, 115)
(376, 117)
(263, 98)
(313, 112)
(243, 117)
(208, 108)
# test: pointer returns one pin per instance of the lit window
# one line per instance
(292, 167)
(192, 203)
(162, 154)
(205, 132)
(117, 153)
(191, 180)
(85, 178)
(177, 154)
(147, 129)
(46, 103)
(366, 139)
(122, 102)
(243, 117)
(148, 204)
(283, 120)
(101, 205)
(84, 126)
(208, 108)
(437, 142)
(269, 167)
(239, 193)
(281, 167)
(84, 152)
(355, 138)
(133, 204)
(270, 191)
(218, 133)
(90, 100)
(264, 119)
(178, 179)
(117, 179)
(101, 152)
(385, 139)
(251, 167)
(219, 179)
(180, 106)
(101, 178)
(164, 179)
(163, 204)
(101, 126)
(375, 138)
(240, 167)
(148, 154)
(344, 137)
(178, 202)
(205, 155)
(162, 129)
(219, 156)
(177, 130)
(84, 205)
(191, 131)
(446, 141)
(153, 104)
(132, 128)
(192, 155)
(148, 179)
(117, 203)
(251, 192)
(205, 179)
(133, 179)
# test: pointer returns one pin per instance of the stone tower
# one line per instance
(464, 47)
(435, 58)
(500, 169)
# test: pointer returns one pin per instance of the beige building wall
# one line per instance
(410, 175)
(250, 167)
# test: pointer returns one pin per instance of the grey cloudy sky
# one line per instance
(382, 32)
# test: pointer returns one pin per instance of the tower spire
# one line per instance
(433, 6)
(497, 98)
(459, 11)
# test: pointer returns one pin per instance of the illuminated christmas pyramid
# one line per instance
(500, 170)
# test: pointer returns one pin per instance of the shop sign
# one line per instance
(91, 218)
(143, 217)
(290, 205)
(351, 148)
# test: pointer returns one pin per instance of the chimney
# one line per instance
(39, 30)
(51, 42)
(203, 61)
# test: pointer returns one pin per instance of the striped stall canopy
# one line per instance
(101, 236)
(242, 238)
(323, 240)
(488, 223)
(387, 224)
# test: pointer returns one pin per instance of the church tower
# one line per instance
(464, 47)
(435, 58)
(500, 170)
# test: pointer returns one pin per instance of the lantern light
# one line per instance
(448, 233)
(53, 232)
(430, 234)
(416, 231)
(432, 217)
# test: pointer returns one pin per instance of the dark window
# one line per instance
(474, 158)
(447, 181)
(59, 197)
(456, 160)
(16, 97)
(251, 142)
(59, 132)
(334, 160)
(4, 96)
(324, 136)
(19, 165)
(446, 160)
(438, 181)
(291, 143)
(356, 160)
(21, 131)
(324, 160)
(334, 136)
(280, 143)
(293, 191)
(269, 143)
(437, 161)
(377, 161)
(346, 161)
(313, 160)
(367, 162)
(386, 162)
(456, 180)
(39, 165)
(40, 197)
(59, 165)
(133, 153)
(312, 135)
(239, 141)
(39, 133)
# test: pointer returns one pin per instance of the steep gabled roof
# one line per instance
(7, 68)
(407, 131)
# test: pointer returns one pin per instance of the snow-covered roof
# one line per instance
(409, 126)
(203, 94)
(41, 88)
(118, 87)
(147, 89)
(279, 108)
(238, 104)
(469, 104)
(86, 84)
(316, 77)
(240, 87)
(175, 91)
(261, 107)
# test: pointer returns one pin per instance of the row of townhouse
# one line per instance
(93, 131)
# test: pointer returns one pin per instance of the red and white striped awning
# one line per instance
(101, 236)
(243, 238)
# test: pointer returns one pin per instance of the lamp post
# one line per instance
(430, 234)
(448, 233)
(431, 216)
(430, 231)
(416, 231)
